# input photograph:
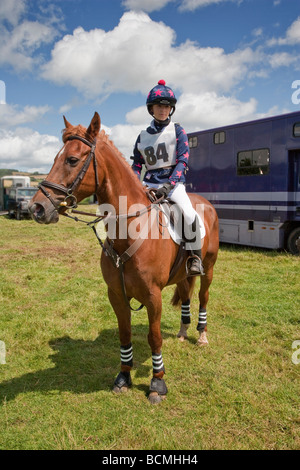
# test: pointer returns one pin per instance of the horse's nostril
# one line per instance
(37, 210)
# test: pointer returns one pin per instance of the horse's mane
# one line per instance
(103, 137)
(82, 132)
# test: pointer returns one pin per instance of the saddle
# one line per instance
(173, 222)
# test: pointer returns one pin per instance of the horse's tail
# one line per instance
(176, 298)
(188, 286)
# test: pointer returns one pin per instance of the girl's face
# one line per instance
(161, 111)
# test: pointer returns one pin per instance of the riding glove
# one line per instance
(164, 190)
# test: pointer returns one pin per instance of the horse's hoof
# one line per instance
(158, 390)
(122, 383)
(181, 338)
(182, 334)
(117, 389)
(202, 341)
(155, 398)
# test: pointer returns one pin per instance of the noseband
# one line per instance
(70, 190)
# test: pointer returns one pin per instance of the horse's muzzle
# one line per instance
(43, 214)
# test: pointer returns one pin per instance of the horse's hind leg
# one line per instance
(183, 294)
(123, 313)
(203, 300)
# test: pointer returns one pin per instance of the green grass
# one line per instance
(61, 337)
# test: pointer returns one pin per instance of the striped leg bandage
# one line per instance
(185, 312)
(157, 363)
(202, 322)
(127, 355)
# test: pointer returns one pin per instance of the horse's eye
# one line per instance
(72, 161)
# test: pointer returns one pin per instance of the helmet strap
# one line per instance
(162, 123)
(166, 121)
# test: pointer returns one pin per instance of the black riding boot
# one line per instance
(194, 266)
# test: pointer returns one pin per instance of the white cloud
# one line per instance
(184, 5)
(192, 5)
(12, 10)
(291, 38)
(26, 149)
(20, 39)
(99, 63)
(12, 115)
(124, 137)
(138, 52)
(210, 110)
(293, 33)
(145, 5)
(282, 59)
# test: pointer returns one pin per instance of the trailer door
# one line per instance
(297, 183)
(294, 185)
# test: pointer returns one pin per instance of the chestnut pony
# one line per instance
(89, 164)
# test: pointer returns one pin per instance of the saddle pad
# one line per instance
(175, 227)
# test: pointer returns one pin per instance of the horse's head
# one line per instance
(72, 178)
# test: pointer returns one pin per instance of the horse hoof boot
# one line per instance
(158, 390)
(122, 382)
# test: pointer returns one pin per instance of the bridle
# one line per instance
(69, 192)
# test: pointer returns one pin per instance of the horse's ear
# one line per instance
(67, 124)
(94, 127)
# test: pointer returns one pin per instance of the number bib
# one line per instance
(159, 150)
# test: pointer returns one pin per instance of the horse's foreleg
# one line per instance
(185, 289)
(123, 313)
(203, 300)
(185, 320)
(158, 388)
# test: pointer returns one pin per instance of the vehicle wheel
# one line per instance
(293, 242)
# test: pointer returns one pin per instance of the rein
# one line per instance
(107, 247)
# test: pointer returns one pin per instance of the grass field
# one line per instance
(62, 352)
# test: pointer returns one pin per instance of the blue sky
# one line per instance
(228, 61)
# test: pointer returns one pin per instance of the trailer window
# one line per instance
(297, 129)
(253, 162)
(193, 142)
(219, 137)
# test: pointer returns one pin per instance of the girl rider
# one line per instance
(163, 148)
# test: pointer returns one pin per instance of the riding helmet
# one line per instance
(161, 94)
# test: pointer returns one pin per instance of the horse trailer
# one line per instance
(250, 172)
(9, 182)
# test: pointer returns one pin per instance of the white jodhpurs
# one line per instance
(191, 230)
(180, 197)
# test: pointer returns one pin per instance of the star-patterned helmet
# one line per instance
(161, 94)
